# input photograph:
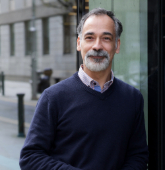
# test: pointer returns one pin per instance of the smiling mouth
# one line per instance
(97, 57)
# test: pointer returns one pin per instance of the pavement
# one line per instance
(10, 143)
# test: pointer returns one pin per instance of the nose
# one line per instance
(97, 46)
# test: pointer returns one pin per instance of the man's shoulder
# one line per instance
(130, 95)
(125, 87)
(63, 86)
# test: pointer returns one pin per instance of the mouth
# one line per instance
(97, 57)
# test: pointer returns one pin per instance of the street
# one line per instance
(10, 143)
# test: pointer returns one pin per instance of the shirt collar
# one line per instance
(89, 81)
(84, 77)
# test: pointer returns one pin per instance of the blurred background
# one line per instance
(39, 35)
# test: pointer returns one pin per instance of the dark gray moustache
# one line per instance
(101, 53)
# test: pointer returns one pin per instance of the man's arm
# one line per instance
(137, 151)
(39, 141)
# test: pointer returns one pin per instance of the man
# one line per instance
(92, 120)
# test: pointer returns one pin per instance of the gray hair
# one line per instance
(101, 11)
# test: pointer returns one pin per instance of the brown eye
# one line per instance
(107, 38)
(89, 38)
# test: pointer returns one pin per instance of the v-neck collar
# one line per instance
(102, 96)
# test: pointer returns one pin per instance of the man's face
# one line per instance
(98, 43)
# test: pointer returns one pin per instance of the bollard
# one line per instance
(57, 80)
(21, 132)
(3, 85)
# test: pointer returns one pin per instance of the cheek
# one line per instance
(85, 49)
(83, 53)
(110, 49)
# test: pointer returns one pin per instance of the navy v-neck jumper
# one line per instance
(77, 128)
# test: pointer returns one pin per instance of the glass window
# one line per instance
(130, 65)
(28, 3)
(27, 38)
(12, 40)
(12, 4)
(0, 6)
(67, 34)
(45, 35)
(0, 40)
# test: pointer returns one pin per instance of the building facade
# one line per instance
(55, 38)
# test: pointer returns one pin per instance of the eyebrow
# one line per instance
(108, 33)
(89, 33)
(104, 33)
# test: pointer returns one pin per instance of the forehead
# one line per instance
(99, 23)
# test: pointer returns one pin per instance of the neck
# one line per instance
(101, 76)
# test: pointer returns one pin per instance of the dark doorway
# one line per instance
(156, 78)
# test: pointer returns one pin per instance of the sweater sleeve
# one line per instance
(137, 152)
(35, 152)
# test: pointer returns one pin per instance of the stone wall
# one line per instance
(63, 65)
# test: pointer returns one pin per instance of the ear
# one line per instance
(118, 46)
(78, 44)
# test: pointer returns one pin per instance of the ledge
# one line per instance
(26, 14)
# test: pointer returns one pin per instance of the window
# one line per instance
(45, 35)
(12, 5)
(0, 7)
(67, 34)
(0, 40)
(28, 3)
(27, 38)
(12, 39)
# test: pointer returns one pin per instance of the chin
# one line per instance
(97, 67)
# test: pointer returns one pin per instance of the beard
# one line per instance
(95, 64)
